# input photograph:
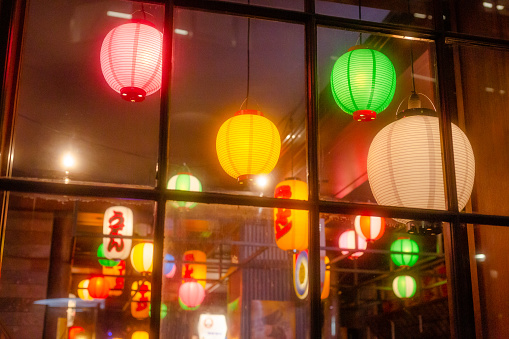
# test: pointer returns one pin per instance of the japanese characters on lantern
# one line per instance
(140, 301)
(291, 226)
(118, 220)
(114, 278)
(194, 272)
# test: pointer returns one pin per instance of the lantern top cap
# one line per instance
(143, 22)
(353, 48)
(293, 178)
(249, 111)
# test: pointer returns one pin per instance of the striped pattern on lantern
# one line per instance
(348, 240)
(405, 164)
(141, 257)
(408, 246)
(404, 286)
(131, 58)
(184, 182)
(369, 228)
(248, 144)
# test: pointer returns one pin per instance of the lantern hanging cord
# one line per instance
(248, 70)
(411, 54)
(360, 18)
(143, 11)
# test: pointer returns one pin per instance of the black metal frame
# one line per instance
(11, 28)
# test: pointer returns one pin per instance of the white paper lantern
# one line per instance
(405, 164)
(350, 240)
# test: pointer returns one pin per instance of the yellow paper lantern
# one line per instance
(291, 226)
(140, 302)
(194, 272)
(140, 335)
(248, 144)
(325, 283)
(83, 290)
(141, 257)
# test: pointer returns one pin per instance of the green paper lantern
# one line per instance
(187, 308)
(184, 182)
(406, 245)
(404, 286)
(363, 82)
(102, 258)
(164, 311)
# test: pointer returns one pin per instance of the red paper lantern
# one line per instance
(131, 59)
(370, 228)
(74, 331)
(191, 294)
(98, 288)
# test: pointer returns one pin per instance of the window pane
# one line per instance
(53, 251)
(394, 285)
(401, 12)
(212, 75)
(222, 263)
(295, 5)
(67, 110)
(482, 91)
(490, 17)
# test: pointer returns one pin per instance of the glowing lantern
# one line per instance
(140, 301)
(118, 220)
(300, 275)
(363, 82)
(247, 145)
(102, 258)
(291, 226)
(131, 59)
(98, 288)
(83, 290)
(169, 267)
(164, 311)
(114, 277)
(405, 164)
(191, 294)
(187, 308)
(197, 272)
(184, 182)
(141, 257)
(408, 246)
(140, 335)
(370, 228)
(74, 330)
(351, 240)
(404, 286)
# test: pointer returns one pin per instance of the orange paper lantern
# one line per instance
(98, 288)
(194, 272)
(370, 228)
(140, 302)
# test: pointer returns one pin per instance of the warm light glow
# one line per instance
(83, 290)
(369, 228)
(102, 259)
(194, 272)
(184, 182)
(131, 59)
(262, 181)
(191, 294)
(406, 245)
(404, 286)
(248, 145)
(404, 164)
(487, 4)
(363, 83)
(140, 335)
(98, 288)
(114, 276)
(212, 326)
(181, 31)
(118, 220)
(350, 240)
(140, 299)
(141, 257)
(301, 274)
(114, 14)
(290, 225)
(68, 161)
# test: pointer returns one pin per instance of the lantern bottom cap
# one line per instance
(246, 179)
(364, 115)
(133, 94)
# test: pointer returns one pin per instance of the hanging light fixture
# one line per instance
(98, 288)
(410, 249)
(291, 226)
(142, 257)
(369, 228)
(404, 162)
(350, 240)
(184, 181)
(131, 59)
(404, 286)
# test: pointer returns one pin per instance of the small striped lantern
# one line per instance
(369, 228)
(141, 257)
(184, 182)
(404, 164)
(404, 286)
(103, 260)
(140, 335)
(191, 294)
(363, 82)
(169, 267)
(131, 59)
(140, 299)
(247, 145)
(291, 226)
(83, 293)
(349, 239)
(98, 288)
(195, 272)
(406, 245)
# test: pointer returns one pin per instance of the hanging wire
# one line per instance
(143, 11)
(248, 61)
(411, 55)
(360, 18)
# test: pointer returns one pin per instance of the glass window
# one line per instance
(219, 88)
(401, 12)
(231, 270)
(490, 17)
(67, 266)
(295, 5)
(70, 124)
